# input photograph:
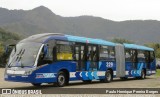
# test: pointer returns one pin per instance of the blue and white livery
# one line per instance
(58, 58)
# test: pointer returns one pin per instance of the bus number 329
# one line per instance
(109, 64)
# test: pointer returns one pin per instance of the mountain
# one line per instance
(43, 20)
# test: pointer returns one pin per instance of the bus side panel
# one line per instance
(88, 75)
(105, 65)
(94, 74)
(129, 68)
(48, 73)
(140, 66)
(132, 72)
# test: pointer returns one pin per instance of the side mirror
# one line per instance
(9, 48)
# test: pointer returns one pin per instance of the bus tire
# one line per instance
(36, 84)
(108, 77)
(143, 75)
(61, 79)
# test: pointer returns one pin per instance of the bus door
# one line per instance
(128, 60)
(147, 59)
(134, 59)
(92, 58)
(152, 61)
(142, 61)
(139, 62)
(80, 57)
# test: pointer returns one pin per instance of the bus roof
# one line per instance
(45, 37)
(89, 40)
(139, 47)
(40, 37)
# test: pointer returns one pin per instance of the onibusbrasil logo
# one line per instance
(18, 91)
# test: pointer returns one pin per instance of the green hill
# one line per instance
(5, 36)
(5, 39)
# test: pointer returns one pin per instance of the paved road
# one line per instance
(149, 82)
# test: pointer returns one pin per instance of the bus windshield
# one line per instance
(24, 54)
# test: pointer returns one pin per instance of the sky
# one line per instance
(117, 10)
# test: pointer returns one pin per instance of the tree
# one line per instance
(121, 40)
(156, 47)
(158, 53)
(1, 49)
(6, 38)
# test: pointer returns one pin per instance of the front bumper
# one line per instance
(29, 79)
(19, 78)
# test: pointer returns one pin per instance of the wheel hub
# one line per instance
(108, 76)
(61, 79)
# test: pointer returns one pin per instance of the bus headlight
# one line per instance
(27, 72)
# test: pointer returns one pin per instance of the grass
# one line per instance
(158, 73)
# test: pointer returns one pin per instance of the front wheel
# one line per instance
(61, 79)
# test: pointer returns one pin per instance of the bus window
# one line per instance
(134, 58)
(49, 50)
(95, 53)
(64, 51)
(128, 55)
(46, 55)
(141, 56)
(103, 53)
(112, 53)
(147, 59)
(92, 56)
(134, 55)
(76, 53)
(147, 56)
(82, 53)
(90, 53)
(152, 56)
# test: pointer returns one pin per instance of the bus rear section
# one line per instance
(139, 61)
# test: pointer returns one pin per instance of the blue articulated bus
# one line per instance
(58, 58)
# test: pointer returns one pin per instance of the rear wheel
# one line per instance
(61, 79)
(36, 84)
(108, 77)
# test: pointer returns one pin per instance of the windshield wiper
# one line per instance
(12, 62)
(17, 57)
(20, 56)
